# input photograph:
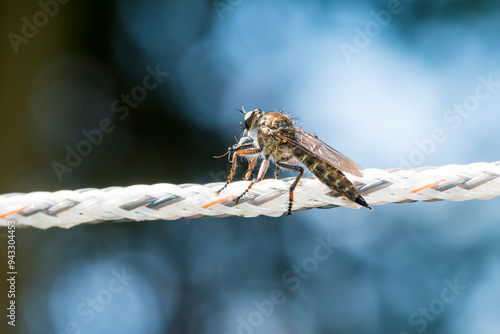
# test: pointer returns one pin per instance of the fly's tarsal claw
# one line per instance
(237, 200)
(217, 193)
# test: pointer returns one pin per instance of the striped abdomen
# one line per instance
(330, 176)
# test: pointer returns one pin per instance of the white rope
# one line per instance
(269, 197)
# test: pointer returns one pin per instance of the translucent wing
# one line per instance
(323, 152)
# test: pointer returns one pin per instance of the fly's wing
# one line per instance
(323, 152)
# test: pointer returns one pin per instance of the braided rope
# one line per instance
(67, 208)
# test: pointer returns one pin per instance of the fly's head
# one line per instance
(251, 118)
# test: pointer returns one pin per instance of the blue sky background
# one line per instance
(392, 270)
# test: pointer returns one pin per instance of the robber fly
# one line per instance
(274, 136)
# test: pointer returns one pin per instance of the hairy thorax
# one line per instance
(272, 146)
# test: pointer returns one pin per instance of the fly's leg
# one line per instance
(276, 173)
(233, 167)
(293, 168)
(250, 168)
(260, 176)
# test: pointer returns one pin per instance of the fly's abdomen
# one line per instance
(330, 176)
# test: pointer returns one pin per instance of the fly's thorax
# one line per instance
(275, 122)
(263, 131)
(269, 144)
(278, 122)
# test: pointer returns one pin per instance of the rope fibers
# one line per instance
(269, 197)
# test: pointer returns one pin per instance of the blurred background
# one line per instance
(153, 86)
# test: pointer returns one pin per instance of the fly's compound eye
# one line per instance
(249, 117)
